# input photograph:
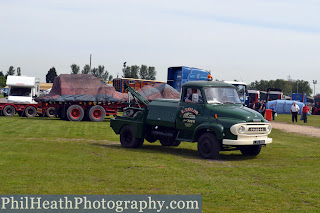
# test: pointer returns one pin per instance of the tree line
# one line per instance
(134, 71)
(10, 71)
(288, 87)
(143, 72)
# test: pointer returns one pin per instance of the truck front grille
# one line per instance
(257, 129)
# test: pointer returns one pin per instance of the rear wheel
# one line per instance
(75, 113)
(97, 113)
(9, 110)
(128, 138)
(208, 146)
(30, 111)
(51, 112)
(253, 150)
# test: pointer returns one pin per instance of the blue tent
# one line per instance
(284, 106)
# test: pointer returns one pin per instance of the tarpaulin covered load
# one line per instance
(160, 90)
(79, 87)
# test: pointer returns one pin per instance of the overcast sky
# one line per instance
(245, 40)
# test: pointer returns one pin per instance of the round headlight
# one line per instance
(269, 128)
(241, 129)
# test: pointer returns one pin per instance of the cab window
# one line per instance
(193, 95)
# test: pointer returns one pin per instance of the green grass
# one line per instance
(313, 120)
(1, 95)
(51, 156)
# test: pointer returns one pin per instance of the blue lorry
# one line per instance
(177, 76)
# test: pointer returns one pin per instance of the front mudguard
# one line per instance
(205, 127)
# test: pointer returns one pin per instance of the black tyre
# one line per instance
(75, 113)
(9, 110)
(128, 113)
(128, 138)
(97, 113)
(169, 142)
(253, 150)
(51, 112)
(208, 146)
(30, 111)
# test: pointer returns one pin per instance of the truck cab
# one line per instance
(23, 89)
(209, 113)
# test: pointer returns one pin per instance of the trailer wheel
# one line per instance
(253, 150)
(30, 111)
(75, 113)
(9, 110)
(208, 146)
(51, 112)
(97, 113)
(128, 138)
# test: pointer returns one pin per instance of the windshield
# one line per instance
(222, 95)
(20, 91)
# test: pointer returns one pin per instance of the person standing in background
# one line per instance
(273, 110)
(263, 108)
(305, 111)
(257, 106)
(295, 111)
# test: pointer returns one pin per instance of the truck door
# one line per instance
(190, 111)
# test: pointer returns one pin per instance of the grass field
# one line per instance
(51, 156)
(313, 120)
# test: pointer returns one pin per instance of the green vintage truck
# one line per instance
(209, 113)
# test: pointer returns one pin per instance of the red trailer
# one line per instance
(75, 97)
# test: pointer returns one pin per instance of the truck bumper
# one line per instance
(247, 141)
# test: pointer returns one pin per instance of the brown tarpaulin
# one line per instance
(80, 87)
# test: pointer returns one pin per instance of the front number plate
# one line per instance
(259, 142)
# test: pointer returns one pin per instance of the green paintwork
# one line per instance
(162, 112)
(191, 119)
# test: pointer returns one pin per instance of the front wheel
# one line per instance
(253, 150)
(208, 146)
(128, 138)
(9, 110)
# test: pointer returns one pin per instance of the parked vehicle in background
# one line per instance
(177, 76)
(118, 83)
(208, 112)
(78, 97)
(242, 91)
(274, 94)
(21, 94)
(4, 91)
(254, 96)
